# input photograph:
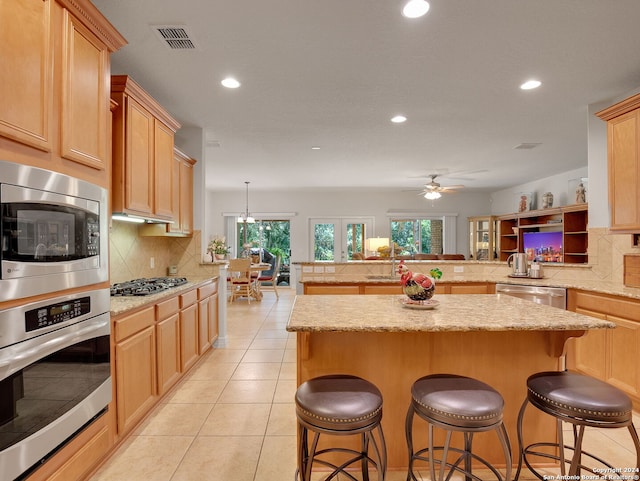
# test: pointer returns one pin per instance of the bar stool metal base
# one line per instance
(476, 408)
(581, 401)
(340, 405)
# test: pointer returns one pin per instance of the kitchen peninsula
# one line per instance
(498, 339)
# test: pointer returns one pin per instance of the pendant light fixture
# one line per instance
(245, 217)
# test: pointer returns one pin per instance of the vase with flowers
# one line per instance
(217, 248)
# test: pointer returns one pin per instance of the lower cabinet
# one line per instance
(330, 289)
(208, 316)
(156, 345)
(189, 343)
(396, 288)
(168, 344)
(465, 288)
(135, 367)
(608, 354)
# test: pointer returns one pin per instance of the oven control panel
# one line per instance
(51, 314)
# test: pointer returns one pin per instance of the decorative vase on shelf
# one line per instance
(547, 200)
(220, 257)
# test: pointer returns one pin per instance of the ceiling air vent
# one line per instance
(176, 37)
(527, 145)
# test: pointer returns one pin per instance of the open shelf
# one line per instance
(571, 220)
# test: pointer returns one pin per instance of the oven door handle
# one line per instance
(23, 354)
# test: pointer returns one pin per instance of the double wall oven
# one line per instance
(54, 348)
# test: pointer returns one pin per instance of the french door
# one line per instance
(336, 239)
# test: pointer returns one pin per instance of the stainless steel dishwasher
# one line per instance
(552, 296)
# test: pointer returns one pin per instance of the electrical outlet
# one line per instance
(458, 268)
(152, 262)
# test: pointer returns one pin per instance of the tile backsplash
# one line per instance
(131, 255)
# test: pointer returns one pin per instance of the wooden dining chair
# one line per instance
(269, 279)
(239, 278)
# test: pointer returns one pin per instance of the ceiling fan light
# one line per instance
(432, 195)
(415, 8)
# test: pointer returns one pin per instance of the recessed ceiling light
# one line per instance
(398, 119)
(531, 84)
(415, 8)
(315, 147)
(230, 83)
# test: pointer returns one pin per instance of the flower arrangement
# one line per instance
(218, 246)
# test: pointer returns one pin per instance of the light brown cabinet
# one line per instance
(181, 199)
(189, 342)
(571, 220)
(168, 343)
(394, 288)
(482, 238)
(135, 367)
(608, 354)
(156, 345)
(143, 143)
(207, 316)
(623, 141)
(54, 86)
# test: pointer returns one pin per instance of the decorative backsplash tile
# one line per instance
(131, 255)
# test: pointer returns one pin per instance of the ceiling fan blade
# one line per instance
(452, 187)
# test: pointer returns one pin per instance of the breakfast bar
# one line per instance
(498, 339)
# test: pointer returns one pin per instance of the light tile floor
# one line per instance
(232, 417)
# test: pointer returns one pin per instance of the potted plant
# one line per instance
(217, 248)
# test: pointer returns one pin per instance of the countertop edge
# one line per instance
(121, 305)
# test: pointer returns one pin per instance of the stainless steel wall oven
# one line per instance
(54, 375)
(54, 232)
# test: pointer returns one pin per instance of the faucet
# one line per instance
(393, 259)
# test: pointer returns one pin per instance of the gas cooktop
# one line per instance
(145, 287)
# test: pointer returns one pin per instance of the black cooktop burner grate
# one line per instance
(145, 287)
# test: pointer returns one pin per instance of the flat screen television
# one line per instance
(543, 246)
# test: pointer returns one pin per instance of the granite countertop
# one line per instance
(455, 312)
(123, 304)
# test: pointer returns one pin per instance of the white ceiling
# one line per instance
(331, 73)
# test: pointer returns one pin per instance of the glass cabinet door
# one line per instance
(482, 238)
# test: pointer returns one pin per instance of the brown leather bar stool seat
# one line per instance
(340, 405)
(455, 403)
(582, 401)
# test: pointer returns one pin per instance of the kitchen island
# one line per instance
(497, 339)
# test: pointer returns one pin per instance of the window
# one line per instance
(418, 236)
(337, 239)
(272, 235)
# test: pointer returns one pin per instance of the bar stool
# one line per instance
(340, 405)
(579, 400)
(455, 403)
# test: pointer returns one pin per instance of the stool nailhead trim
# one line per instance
(577, 410)
(458, 416)
(341, 421)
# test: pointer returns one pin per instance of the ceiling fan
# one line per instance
(433, 190)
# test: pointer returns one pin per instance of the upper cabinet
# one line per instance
(143, 141)
(54, 87)
(482, 238)
(180, 184)
(623, 137)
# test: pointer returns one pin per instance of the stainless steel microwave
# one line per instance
(54, 232)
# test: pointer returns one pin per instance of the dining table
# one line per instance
(255, 270)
